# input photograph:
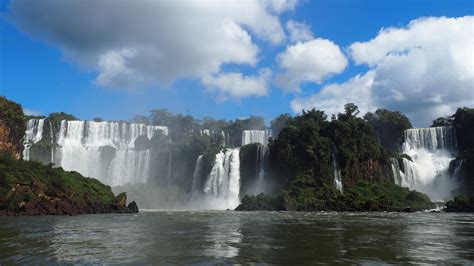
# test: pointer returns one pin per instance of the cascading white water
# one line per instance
(255, 136)
(33, 135)
(197, 176)
(457, 169)
(51, 138)
(106, 150)
(261, 152)
(221, 190)
(337, 171)
(431, 150)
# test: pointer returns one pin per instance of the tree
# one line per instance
(140, 119)
(351, 109)
(464, 124)
(160, 117)
(442, 122)
(389, 126)
(278, 123)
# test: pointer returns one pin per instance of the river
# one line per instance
(185, 237)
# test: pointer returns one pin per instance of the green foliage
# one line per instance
(55, 182)
(389, 126)
(279, 123)
(12, 118)
(364, 196)
(442, 122)
(460, 203)
(464, 125)
(300, 148)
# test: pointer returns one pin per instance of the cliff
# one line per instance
(12, 127)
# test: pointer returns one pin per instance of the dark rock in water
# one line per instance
(121, 200)
(133, 207)
(460, 204)
(407, 209)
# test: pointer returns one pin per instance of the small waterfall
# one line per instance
(51, 137)
(223, 184)
(33, 135)
(261, 152)
(457, 169)
(337, 171)
(255, 136)
(197, 175)
(431, 150)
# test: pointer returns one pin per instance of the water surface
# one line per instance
(239, 237)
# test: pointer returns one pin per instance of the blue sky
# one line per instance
(48, 69)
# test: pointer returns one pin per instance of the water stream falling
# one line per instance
(431, 151)
(33, 135)
(222, 186)
(104, 150)
(255, 136)
(197, 175)
(336, 170)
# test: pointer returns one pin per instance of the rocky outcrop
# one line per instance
(31, 199)
(12, 127)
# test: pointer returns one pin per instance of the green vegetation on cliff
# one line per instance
(12, 126)
(309, 143)
(303, 158)
(33, 188)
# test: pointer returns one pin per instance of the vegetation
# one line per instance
(307, 145)
(12, 126)
(460, 204)
(442, 122)
(389, 126)
(364, 196)
(33, 188)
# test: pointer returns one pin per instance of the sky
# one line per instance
(232, 59)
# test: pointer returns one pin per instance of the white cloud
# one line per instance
(298, 31)
(144, 43)
(310, 61)
(237, 85)
(333, 97)
(425, 70)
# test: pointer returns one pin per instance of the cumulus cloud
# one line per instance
(332, 98)
(298, 31)
(237, 85)
(144, 43)
(425, 70)
(310, 61)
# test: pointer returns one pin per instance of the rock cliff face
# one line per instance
(12, 127)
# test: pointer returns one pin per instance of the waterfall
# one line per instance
(255, 136)
(51, 137)
(432, 139)
(223, 183)
(33, 135)
(197, 175)
(106, 150)
(431, 150)
(336, 170)
(260, 162)
(457, 169)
